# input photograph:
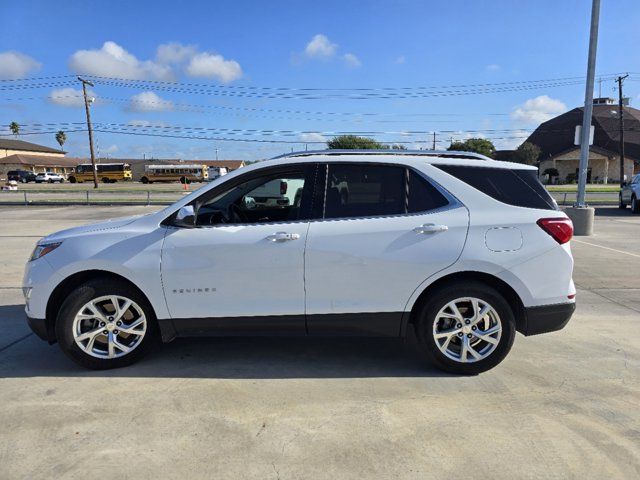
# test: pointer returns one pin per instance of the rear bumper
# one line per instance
(548, 318)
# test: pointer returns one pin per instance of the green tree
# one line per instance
(527, 153)
(476, 145)
(15, 128)
(61, 137)
(353, 142)
(398, 146)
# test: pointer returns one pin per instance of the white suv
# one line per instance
(464, 249)
(49, 177)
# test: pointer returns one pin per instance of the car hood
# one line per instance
(111, 224)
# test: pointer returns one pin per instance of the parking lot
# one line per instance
(562, 405)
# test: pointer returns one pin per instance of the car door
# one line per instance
(243, 263)
(630, 189)
(385, 230)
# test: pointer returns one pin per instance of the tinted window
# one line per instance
(422, 195)
(262, 199)
(514, 187)
(364, 190)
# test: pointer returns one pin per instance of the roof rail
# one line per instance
(413, 153)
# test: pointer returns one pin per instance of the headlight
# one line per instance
(42, 249)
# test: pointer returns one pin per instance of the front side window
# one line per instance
(269, 198)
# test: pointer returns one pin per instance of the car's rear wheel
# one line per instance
(467, 328)
(106, 324)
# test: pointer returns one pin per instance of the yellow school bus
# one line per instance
(107, 173)
(175, 173)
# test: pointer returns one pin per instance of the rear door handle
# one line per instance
(430, 228)
(283, 237)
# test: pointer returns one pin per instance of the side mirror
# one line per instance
(624, 184)
(186, 217)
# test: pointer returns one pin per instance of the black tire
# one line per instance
(144, 180)
(51, 181)
(426, 315)
(23, 180)
(87, 292)
(72, 179)
(62, 180)
(105, 180)
(621, 204)
(635, 205)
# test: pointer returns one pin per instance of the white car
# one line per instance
(630, 195)
(49, 177)
(463, 249)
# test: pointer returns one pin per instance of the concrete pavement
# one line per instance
(562, 405)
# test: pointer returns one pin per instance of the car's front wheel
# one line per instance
(635, 206)
(621, 204)
(106, 324)
(466, 328)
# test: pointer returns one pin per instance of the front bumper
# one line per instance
(39, 327)
(548, 318)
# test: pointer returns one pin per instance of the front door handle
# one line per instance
(430, 228)
(283, 237)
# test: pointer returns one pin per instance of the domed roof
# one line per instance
(556, 136)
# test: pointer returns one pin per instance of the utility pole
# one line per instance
(86, 109)
(434, 141)
(581, 215)
(621, 124)
(588, 104)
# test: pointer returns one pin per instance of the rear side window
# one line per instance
(364, 191)
(367, 190)
(520, 188)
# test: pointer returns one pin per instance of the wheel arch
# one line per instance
(70, 283)
(510, 295)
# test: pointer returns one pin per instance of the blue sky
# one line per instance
(239, 47)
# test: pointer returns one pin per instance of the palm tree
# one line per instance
(61, 137)
(15, 128)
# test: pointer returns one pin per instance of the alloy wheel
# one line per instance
(467, 329)
(109, 327)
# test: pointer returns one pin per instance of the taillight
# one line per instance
(561, 229)
(283, 188)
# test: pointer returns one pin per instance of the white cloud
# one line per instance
(109, 150)
(351, 60)
(210, 65)
(148, 102)
(538, 110)
(69, 97)
(15, 65)
(312, 137)
(513, 141)
(114, 61)
(494, 67)
(175, 53)
(320, 47)
(146, 123)
(401, 60)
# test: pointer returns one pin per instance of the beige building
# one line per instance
(604, 166)
(10, 147)
(556, 140)
(37, 163)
